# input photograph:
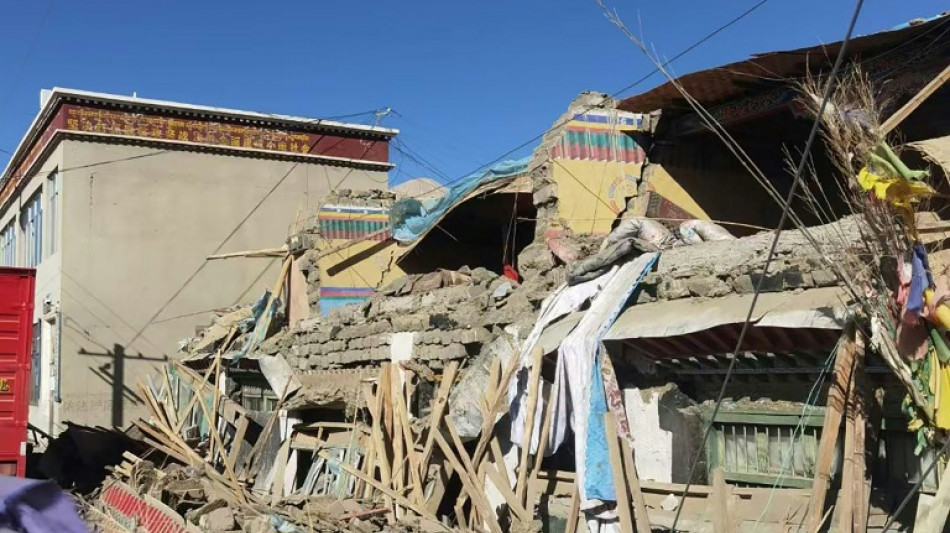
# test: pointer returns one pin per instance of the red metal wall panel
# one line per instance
(16, 335)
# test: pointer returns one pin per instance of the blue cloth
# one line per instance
(32, 506)
(919, 280)
(410, 218)
(599, 480)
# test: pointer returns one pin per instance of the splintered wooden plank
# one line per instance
(616, 463)
(531, 406)
(837, 397)
(435, 416)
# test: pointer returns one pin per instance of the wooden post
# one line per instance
(860, 475)
(837, 393)
(633, 483)
(616, 464)
(435, 416)
(574, 515)
(531, 405)
(894, 120)
(719, 501)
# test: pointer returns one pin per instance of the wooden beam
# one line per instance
(475, 492)
(238, 442)
(574, 515)
(410, 449)
(539, 453)
(837, 394)
(280, 251)
(531, 406)
(374, 405)
(894, 120)
(401, 500)
(435, 415)
(860, 477)
(616, 466)
(719, 501)
(633, 483)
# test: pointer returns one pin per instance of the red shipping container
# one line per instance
(16, 336)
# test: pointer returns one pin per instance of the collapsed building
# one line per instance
(588, 334)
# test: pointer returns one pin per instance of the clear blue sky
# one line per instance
(469, 79)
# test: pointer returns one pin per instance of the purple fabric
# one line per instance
(919, 281)
(33, 506)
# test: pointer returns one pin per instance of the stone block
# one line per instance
(399, 304)
(707, 287)
(410, 323)
(793, 279)
(473, 335)
(672, 289)
(743, 284)
(454, 351)
(824, 278)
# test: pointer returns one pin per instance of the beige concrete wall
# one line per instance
(137, 232)
(48, 284)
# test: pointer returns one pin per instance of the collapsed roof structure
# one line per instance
(592, 331)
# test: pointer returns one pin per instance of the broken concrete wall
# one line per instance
(350, 254)
(588, 167)
(449, 322)
(667, 429)
(714, 269)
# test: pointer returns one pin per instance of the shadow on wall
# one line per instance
(112, 372)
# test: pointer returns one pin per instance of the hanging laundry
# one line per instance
(566, 299)
(597, 457)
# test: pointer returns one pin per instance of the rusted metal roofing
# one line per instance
(719, 84)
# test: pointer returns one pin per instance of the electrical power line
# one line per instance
(812, 135)
(615, 94)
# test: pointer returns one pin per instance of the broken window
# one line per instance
(258, 398)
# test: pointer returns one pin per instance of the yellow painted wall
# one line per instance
(661, 182)
(592, 193)
(375, 271)
(596, 164)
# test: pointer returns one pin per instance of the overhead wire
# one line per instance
(615, 94)
(227, 238)
(812, 135)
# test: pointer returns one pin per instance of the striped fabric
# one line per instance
(339, 222)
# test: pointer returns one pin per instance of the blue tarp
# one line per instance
(411, 218)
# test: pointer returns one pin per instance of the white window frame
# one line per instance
(52, 205)
(8, 250)
(31, 223)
